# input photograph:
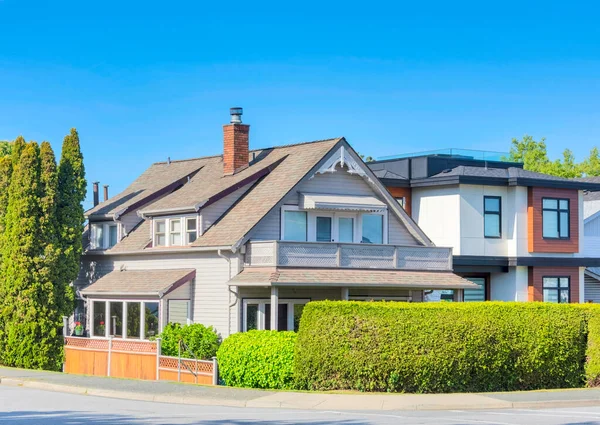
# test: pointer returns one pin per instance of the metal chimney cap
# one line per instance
(236, 115)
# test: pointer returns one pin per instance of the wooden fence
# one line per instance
(134, 359)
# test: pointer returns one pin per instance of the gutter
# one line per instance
(160, 251)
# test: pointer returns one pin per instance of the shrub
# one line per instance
(258, 359)
(441, 347)
(592, 365)
(203, 341)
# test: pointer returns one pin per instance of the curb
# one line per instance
(330, 404)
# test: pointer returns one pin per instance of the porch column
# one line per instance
(345, 294)
(459, 295)
(274, 308)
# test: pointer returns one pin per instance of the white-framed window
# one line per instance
(174, 231)
(333, 226)
(126, 319)
(104, 235)
(257, 314)
(401, 201)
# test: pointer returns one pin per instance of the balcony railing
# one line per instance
(347, 255)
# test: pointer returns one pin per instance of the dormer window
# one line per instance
(104, 235)
(175, 231)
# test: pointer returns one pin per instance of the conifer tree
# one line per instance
(30, 335)
(71, 194)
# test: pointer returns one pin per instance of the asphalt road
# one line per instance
(23, 406)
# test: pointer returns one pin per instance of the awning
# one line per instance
(324, 201)
(350, 278)
(148, 283)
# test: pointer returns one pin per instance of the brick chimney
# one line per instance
(105, 192)
(235, 143)
(96, 194)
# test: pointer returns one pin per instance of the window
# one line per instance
(324, 230)
(99, 318)
(104, 235)
(133, 319)
(372, 228)
(475, 294)
(116, 319)
(160, 238)
(492, 216)
(556, 289)
(346, 229)
(555, 218)
(151, 319)
(191, 230)
(257, 314)
(294, 225)
(175, 232)
(401, 201)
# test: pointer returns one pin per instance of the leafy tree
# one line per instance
(5, 148)
(71, 193)
(367, 159)
(17, 149)
(532, 154)
(591, 165)
(30, 331)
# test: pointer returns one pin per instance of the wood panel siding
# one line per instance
(403, 192)
(535, 238)
(537, 274)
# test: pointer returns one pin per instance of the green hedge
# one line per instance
(202, 340)
(445, 347)
(258, 359)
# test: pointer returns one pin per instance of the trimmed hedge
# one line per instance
(202, 340)
(258, 359)
(445, 347)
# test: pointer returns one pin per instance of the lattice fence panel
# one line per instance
(260, 254)
(308, 255)
(423, 258)
(368, 257)
(88, 343)
(202, 366)
(133, 346)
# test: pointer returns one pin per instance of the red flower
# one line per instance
(77, 323)
(101, 323)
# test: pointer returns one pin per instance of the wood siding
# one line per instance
(403, 192)
(592, 290)
(536, 241)
(536, 275)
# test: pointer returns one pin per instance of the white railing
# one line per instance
(347, 255)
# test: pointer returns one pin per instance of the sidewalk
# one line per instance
(167, 392)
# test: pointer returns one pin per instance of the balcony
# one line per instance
(347, 255)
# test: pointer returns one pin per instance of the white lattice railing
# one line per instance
(360, 256)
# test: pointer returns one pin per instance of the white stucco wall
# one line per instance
(511, 286)
(437, 211)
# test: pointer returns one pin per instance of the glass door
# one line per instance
(475, 294)
(324, 227)
(345, 228)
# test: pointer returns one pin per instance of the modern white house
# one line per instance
(219, 240)
(519, 235)
(591, 217)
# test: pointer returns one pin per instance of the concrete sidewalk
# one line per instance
(167, 392)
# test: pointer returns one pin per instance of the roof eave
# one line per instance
(153, 251)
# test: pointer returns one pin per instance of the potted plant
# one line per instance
(78, 329)
(101, 328)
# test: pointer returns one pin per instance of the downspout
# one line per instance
(231, 304)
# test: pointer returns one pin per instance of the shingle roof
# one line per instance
(386, 174)
(511, 172)
(160, 175)
(140, 282)
(297, 161)
(350, 277)
(137, 239)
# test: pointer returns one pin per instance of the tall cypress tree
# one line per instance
(31, 337)
(71, 194)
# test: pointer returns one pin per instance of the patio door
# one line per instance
(324, 228)
(345, 228)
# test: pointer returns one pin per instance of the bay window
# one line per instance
(129, 319)
(175, 231)
(257, 314)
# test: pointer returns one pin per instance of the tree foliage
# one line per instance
(71, 194)
(534, 156)
(30, 323)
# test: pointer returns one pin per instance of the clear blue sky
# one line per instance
(145, 80)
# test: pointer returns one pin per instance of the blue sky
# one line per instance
(142, 81)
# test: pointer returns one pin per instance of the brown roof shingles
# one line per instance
(298, 160)
(148, 282)
(348, 277)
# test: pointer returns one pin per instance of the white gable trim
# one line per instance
(342, 158)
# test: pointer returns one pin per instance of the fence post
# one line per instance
(179, 363)
(215, 377)
(158, 359)
(109, 355)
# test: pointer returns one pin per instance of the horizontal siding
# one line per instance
(591, 246)
(592, 227)
(338, 183)
(214, 211)
(592, 290)
(268, 228)
(398, 234)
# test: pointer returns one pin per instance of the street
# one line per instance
(28, 406)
